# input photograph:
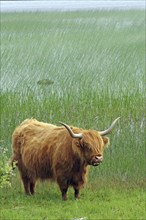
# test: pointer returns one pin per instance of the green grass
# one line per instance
(95, 62)
(98, 201)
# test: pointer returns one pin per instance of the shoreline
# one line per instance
(62, 6)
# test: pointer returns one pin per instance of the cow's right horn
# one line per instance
(71, 132)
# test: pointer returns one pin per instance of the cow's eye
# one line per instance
(87, 147)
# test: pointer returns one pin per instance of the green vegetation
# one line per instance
(6, 171)
(85, 69)
(97, 202)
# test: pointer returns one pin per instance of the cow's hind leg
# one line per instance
(26, 184)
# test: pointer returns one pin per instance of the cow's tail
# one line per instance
(13, 162)
(17, 143)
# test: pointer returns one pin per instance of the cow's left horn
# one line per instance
(71, 132)
(107, 131)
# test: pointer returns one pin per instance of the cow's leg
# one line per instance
(24, 177)
(26, 184)
(77, 193)
(63, 187)
(64, 193)
(32, 186)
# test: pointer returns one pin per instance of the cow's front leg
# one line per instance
(63, 187)
(64, 194)
(32, 186)
(76, 193)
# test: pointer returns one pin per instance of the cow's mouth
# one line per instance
(95, 164)
(97, 160)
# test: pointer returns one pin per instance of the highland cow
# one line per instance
(61, 153)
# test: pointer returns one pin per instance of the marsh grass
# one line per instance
(99, 200)
(96, 61)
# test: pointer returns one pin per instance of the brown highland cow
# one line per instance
(46, 151)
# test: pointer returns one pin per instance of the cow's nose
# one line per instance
(99, 158)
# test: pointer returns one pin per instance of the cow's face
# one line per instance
(92, 146)
(89, 143)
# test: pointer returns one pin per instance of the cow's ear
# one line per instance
(79, 143)
(106, 141)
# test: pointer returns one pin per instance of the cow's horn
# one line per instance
(70, 131)
(107, 131)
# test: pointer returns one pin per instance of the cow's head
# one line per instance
(91, 143)
(92, 146)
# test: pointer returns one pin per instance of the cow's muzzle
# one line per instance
(97, 160)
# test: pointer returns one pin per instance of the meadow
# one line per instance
(85, 69)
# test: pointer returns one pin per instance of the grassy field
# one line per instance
(98, 201)
(86, 69)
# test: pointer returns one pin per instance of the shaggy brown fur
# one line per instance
(45, 151)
